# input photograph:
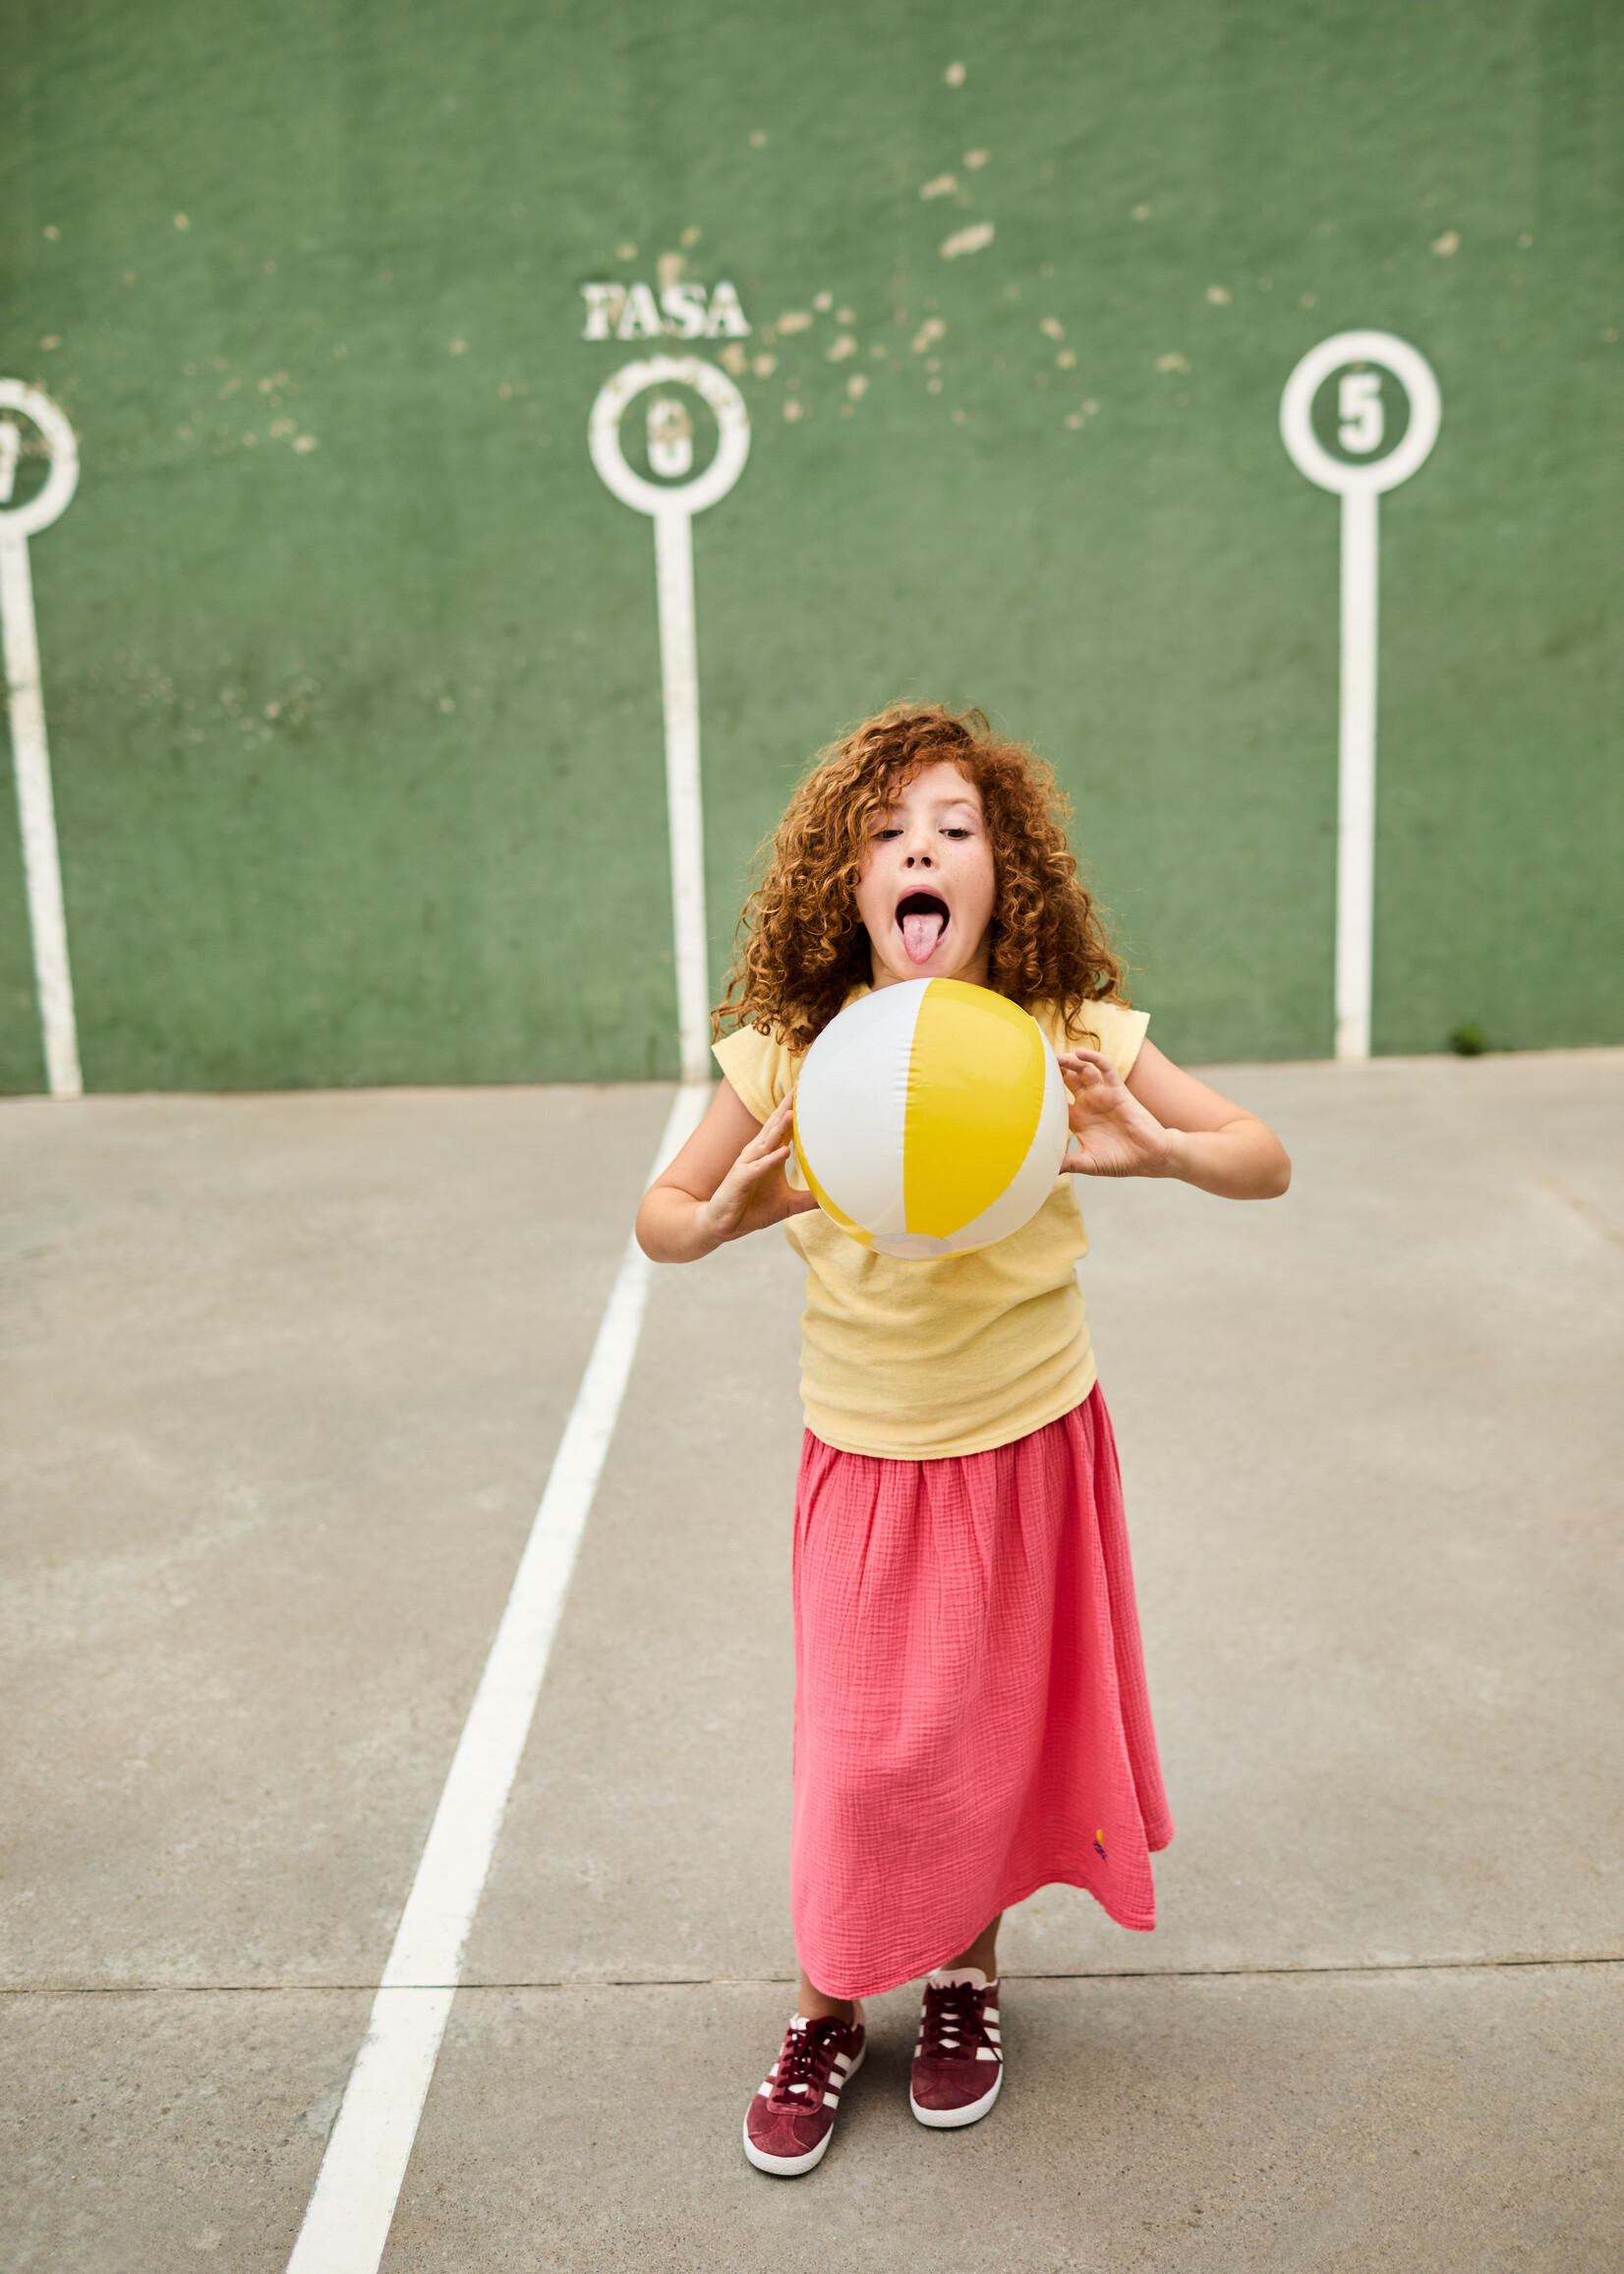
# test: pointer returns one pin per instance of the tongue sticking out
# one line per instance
(920, 935)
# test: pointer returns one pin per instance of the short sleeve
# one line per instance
(761, 1069)
(1119, 1031)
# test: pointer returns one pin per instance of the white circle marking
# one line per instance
(61, 481)
(1413, 374)
(732, 420)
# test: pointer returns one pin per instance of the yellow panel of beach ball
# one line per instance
(931, 1119)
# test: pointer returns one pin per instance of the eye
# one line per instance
(888, 831)
(956, 831)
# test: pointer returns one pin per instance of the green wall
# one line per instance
(358, 747)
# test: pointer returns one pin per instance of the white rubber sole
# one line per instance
(950, 2119)
(791, 2167)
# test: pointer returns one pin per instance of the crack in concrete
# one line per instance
(1345, 1968)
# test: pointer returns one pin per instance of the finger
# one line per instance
(776, 1119)
(752, 1171)
(767, 1137)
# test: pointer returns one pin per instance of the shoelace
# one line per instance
(805, 2062)
(954, 2026)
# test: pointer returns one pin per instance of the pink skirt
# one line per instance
(972, 1716)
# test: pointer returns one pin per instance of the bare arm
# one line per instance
(1164, 1123)
(726, 1181)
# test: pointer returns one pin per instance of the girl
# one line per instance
(971, 1720)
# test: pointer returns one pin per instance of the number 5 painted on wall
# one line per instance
(1359, 407)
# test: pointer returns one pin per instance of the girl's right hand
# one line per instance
(755, 1192)
(728, 1179)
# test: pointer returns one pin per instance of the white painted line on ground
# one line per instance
(347, 2220)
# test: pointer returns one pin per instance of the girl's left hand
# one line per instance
(1115, 1135)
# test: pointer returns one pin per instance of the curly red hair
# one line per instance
(802, 944)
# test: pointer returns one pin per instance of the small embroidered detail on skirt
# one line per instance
(972, 1716)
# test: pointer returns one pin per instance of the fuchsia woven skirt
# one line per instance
(971, 1717)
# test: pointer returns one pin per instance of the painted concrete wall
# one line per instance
(351, 666)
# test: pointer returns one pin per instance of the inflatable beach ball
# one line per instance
(931, 1119)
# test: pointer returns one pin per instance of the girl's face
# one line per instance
(928, 885)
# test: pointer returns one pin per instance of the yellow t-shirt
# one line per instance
(919, 1361)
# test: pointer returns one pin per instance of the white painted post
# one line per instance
(1355, 816)
(1360, 485)
(674, 556)
(26, 710)
(671, 508)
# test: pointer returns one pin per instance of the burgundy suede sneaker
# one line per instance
(958, 2059)
(791, 2120)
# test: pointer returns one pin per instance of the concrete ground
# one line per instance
(282, 1381)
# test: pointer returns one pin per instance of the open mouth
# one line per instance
(923, 918)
